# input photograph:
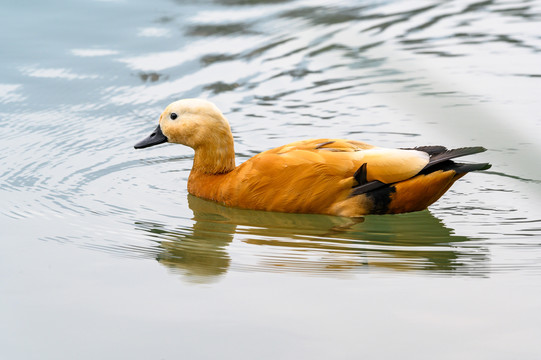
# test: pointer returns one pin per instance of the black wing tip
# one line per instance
(462, 151)
(429, 149)
(438, 149)
(366, 188)
(360, 175)
(485, 166)
(363, 185)
(459, 168)
(462, 168)
(453, 153)
(472, 149)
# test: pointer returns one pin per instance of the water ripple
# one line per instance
(395, 74)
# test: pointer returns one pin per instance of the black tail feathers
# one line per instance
(459, 168)
(453, 153)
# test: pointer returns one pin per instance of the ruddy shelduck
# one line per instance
(319, 176)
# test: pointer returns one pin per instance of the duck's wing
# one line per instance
(385, 165)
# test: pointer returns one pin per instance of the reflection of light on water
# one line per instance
(93, 52)
(154, 32)
(227, 16)
(54, 73)
(11, 93)
(159, 61)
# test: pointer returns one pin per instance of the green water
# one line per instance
(103, 254)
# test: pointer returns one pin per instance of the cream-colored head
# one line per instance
(199, 124)
(194, 123)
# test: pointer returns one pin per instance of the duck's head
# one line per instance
(192, 122)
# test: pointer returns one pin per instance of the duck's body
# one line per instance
(323, 176)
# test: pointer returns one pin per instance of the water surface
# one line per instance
(104, 254)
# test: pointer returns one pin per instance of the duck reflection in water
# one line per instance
(314, 244)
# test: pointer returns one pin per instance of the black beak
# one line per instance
(157, 137)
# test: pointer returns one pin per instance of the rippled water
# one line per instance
(82, 81)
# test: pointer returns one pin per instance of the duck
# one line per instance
(327, 176)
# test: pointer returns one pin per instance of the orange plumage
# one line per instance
(323, 176)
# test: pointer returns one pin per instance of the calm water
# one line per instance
(103, 254)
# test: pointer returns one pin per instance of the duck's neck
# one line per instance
(216, 156)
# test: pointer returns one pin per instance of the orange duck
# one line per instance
(318, 176)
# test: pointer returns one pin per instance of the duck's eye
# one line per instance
(173, 116)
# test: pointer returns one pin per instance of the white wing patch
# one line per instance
(392, 165)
